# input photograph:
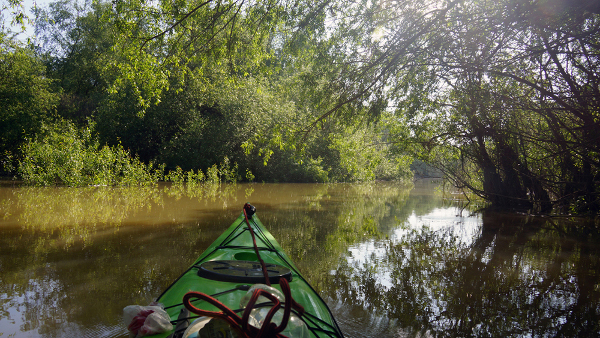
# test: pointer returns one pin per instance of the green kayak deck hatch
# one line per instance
(242, 271)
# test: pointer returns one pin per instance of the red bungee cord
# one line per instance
(240, 324)
(262, 263)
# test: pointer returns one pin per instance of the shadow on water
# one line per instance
(391, 260)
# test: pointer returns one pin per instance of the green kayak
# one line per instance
(226, 273)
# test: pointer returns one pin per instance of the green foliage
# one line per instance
(358, 158)
(315, 171)
(195, 177)
(64, 155)
(190, 179)
(16, 13)
(229, 172)
(161, 41)
(176, 176)
(498, 95)
(221, 117)
(249, 176)
(200, 122)
(26, 100)
(212, 174)
(205, 101)
(225, 172)
(75, 43)
(363, 153)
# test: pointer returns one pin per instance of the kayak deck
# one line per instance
(236, 247)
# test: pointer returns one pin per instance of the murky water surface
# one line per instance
(391, 260)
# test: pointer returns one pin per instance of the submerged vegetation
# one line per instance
(500, 97)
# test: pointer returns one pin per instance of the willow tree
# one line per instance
(522, 103)
(165, 39)
(502, 96)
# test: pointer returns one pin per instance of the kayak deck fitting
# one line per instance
(230, 266)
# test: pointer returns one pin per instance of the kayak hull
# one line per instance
(235, 250)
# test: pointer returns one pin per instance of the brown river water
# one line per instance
(390, 259)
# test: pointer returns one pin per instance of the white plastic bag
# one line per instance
(143, 321)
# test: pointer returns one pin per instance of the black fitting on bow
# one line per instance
(250, 210)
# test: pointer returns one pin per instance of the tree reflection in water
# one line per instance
(520, 276)
(71, 258)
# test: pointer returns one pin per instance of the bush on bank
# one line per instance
(65, 155)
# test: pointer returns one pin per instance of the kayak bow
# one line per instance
(228, 268)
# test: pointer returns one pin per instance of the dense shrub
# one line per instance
(67, 156)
